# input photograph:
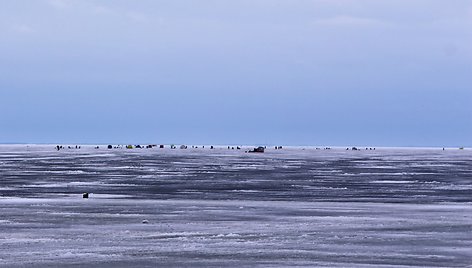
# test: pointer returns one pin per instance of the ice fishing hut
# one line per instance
(259, 149)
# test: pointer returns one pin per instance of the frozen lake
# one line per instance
(212, 208)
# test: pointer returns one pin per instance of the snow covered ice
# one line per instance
(212, 208)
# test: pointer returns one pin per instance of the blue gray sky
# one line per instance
(295, 72)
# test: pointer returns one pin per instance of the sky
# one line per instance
(291, 72)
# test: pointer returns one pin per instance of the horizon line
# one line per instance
(238, 144)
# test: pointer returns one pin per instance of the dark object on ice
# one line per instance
(161, 146)
(280, 147)
(149, 147)
(129, 146)
(138, 146)
(97, 147)
(354, 148)
(259, 149)
(85, 195)
(211, 147)
(183, 147)
(239, 148)
(110, 147)
(145, 221)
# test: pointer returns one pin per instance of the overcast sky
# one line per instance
(299, 72)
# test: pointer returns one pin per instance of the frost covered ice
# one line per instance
(213, 208)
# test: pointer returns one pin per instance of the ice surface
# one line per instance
(211, 208)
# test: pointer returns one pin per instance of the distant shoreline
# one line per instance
(224, 146)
